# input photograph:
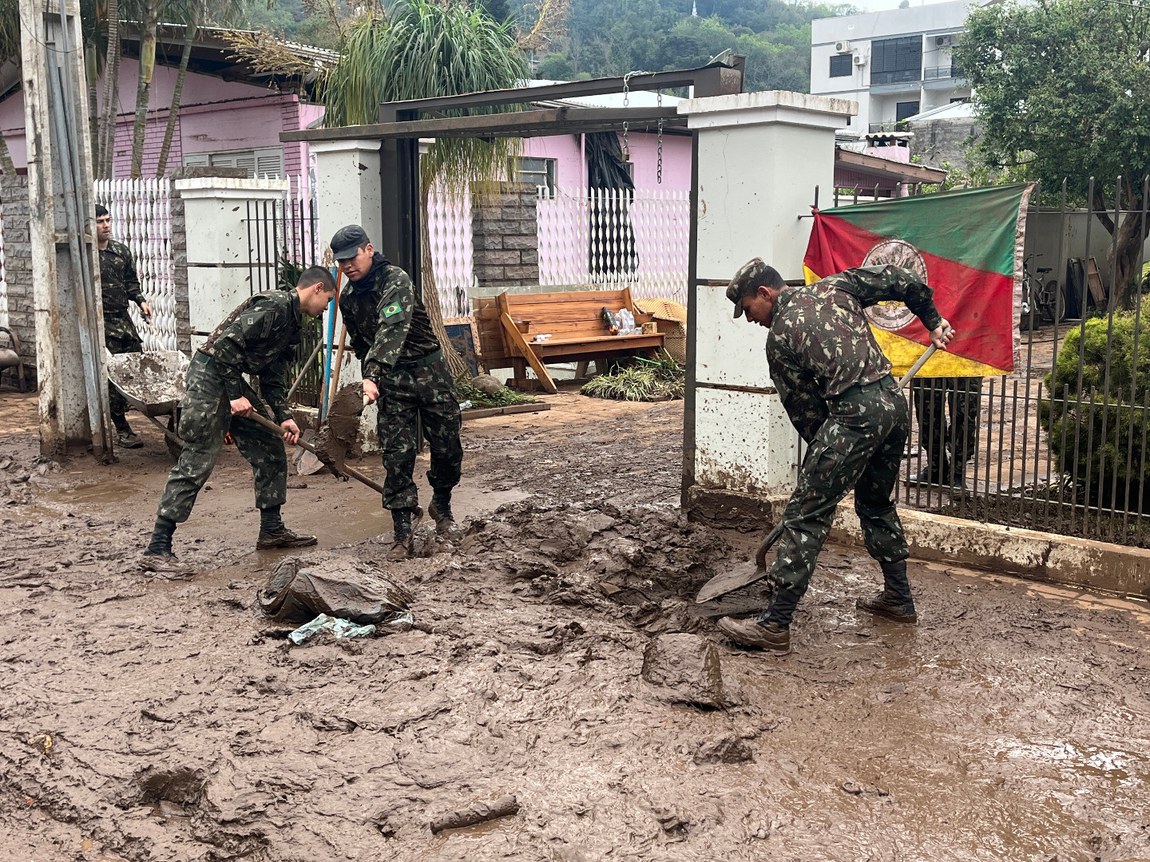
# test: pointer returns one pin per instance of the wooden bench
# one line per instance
(573, 320)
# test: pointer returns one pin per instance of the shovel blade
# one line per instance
(728, 582)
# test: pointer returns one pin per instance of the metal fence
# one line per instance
(283, 240)
(1060, 444)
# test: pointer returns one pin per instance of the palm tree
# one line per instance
(421, 49)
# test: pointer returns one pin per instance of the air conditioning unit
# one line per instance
(941, 41)
(860, 60)
(842, 46)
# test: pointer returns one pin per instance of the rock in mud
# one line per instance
(725, 749)
(685, 668)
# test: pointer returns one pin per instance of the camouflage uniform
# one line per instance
(947, 444)
(119, 285)
(836, 386)
(259, 338)
(396, 347)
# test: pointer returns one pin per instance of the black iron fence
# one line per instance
(1060, 444)
(282, 241)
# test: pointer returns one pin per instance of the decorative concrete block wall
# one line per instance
(18, 263)
(505, 235)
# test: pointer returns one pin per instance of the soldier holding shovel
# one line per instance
(836, 386)
(259, 338)
(404, 371)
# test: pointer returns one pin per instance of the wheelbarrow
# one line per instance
(152, 383)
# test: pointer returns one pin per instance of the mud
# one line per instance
(154, 378)
(159, 720)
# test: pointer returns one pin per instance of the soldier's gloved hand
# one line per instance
(291, 431)
(241, 406)
(370, 391)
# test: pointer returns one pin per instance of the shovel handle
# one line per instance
(259, 419)
(772, 537)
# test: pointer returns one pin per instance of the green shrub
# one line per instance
(646, 380)
(465, 390)
(1101, 443)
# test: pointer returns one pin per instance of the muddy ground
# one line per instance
(146, 719)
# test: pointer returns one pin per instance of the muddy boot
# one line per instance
(894, 602)
(440, 511)
(283, 538)
(402, 544)
(125, 437)
(752, 633)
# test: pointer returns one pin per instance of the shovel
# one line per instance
(747, 573)
(331, 456)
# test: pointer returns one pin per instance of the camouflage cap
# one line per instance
(348, 241)
(750, 277)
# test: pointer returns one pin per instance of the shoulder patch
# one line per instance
(392, 310)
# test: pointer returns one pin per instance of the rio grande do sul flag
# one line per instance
(966, 244)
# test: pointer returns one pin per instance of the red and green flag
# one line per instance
(966, 244)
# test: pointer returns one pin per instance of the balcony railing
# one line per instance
(902, 76)
(939, 73)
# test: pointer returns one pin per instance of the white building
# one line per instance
(895, 63)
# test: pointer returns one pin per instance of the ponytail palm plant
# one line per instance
(415, 49)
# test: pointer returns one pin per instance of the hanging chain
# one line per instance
(626, 103)
(659, 161)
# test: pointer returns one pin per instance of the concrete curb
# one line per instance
(937, 538)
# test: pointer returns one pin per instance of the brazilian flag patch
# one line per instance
(392, 310)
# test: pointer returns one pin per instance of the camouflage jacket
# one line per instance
(118, 282)
(820, 342)
(386, 320)
(258, 338)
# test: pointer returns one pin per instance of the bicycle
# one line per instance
(1041, 303)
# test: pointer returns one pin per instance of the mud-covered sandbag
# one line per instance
(300, 589)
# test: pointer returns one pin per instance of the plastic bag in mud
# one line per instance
(298, 590)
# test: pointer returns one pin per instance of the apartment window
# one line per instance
(902, 110)
(265, 162)
(896, 61)
(841, 65)
(539, 172)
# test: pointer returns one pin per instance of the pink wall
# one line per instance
(215, 116)
(571, 174)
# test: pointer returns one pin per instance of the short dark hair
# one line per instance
(101, 210)
(316, 273)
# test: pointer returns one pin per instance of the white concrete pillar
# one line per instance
(348, 187)
(216, 214)
(760, 157)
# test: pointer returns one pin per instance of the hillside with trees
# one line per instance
(597, 38)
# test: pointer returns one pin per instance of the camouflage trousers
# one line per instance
(859, 446)
(119, 338)
(205, 416)
(954, 441)
(409, 395)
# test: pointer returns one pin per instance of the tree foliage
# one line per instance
(1062, 91)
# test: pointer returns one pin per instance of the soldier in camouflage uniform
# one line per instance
(119, 286)
(836, 387)
(405, 373)
(259, 338)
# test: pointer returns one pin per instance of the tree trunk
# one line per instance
(177, 94)
(6, 166)
(106, 126)
(455, 363)
(113, 126)
(1124, 258)
(143, 85)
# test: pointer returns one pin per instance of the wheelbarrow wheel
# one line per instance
(174, 448)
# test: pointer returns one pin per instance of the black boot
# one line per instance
(894, 602)
(440, 511)
(402, 545)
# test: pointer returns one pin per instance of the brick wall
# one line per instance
(505, 236)
(18, 263)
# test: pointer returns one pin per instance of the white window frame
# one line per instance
(539, 171)
(258, 162)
